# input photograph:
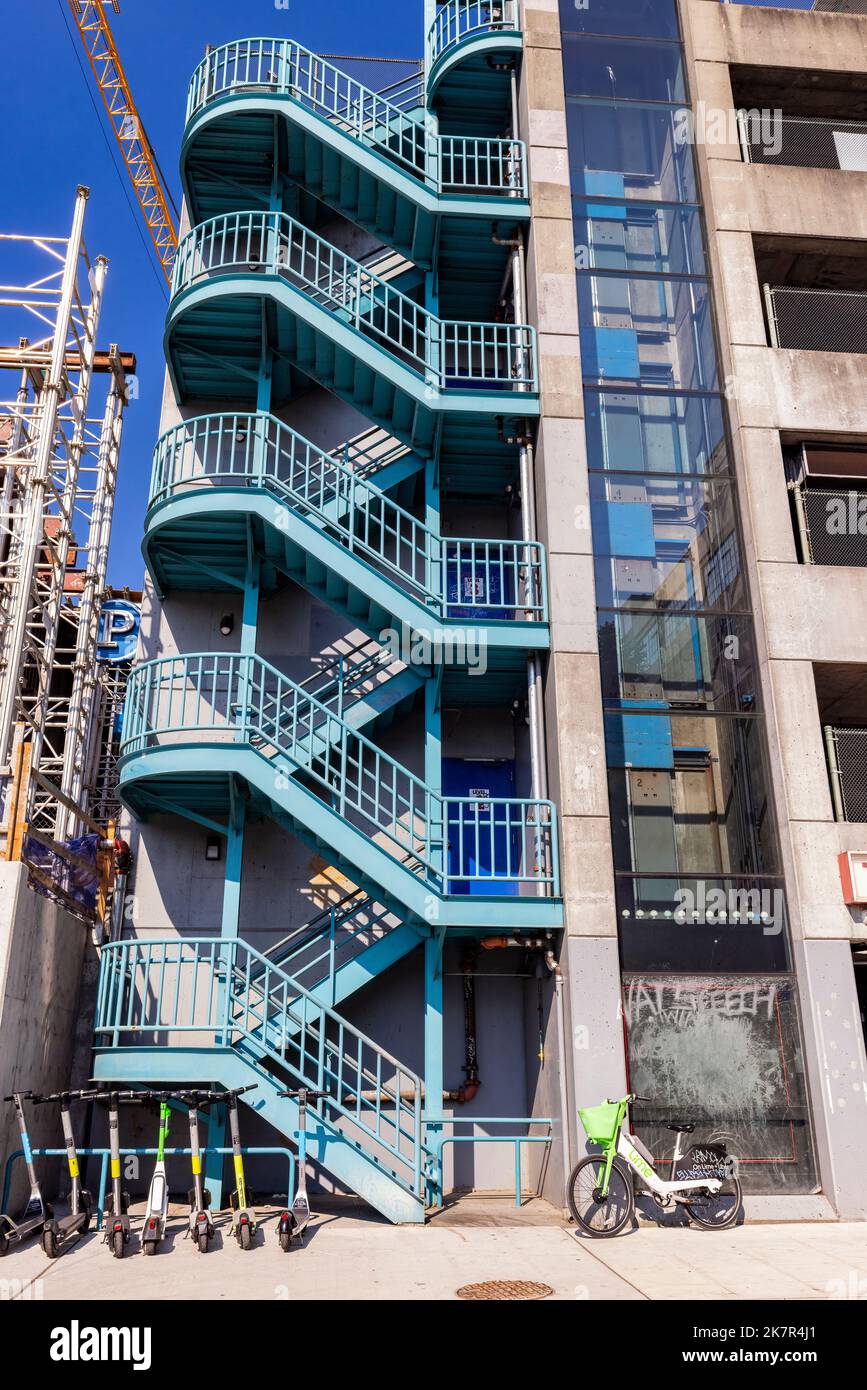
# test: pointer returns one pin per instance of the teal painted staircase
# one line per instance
(266, 113)
(258, 283)
(195, 726)
(263, 308)
(176, 1010)
(220, 481)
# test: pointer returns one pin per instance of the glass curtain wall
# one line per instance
(710, 1003)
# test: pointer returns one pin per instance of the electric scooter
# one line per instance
(157, 1212)
(201, 1227)
(37, 1210)
(116, 1232)
(243, 1220)
(293, 1224)
(58, 1235)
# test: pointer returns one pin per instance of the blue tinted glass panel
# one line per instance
(658, 433)
(643, 18)
(628, 150)
(623, 70)
(655, 332)
(691, 797)
(678, 660)
(638, 236)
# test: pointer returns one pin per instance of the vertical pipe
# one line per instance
(434, 1070)
(834, 769)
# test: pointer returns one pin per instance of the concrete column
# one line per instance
(576, 748)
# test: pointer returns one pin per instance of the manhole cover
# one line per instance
(505, 1289)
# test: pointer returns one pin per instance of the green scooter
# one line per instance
(157, 1212)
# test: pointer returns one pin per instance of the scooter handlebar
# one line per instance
(311, 1095)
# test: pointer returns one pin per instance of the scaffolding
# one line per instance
(58, 478)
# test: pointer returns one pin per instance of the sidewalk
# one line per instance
(348, 1257)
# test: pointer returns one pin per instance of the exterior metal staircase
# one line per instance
(383, 167)
(262, 307)
(172, 1010)
(329, 527)
(194, 723)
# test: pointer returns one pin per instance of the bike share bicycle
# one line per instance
(600, 1191)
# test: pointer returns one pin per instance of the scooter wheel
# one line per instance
(245, 1237)
(149, 1248)
(286, 1241)
(4, 1244)
(117, 1245)
(202, 1242)
(49, 1244)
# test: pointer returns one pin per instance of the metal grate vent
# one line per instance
(505, 1289)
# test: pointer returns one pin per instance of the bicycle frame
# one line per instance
(623, 1147)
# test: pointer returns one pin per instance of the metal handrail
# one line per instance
(281, 67)
(445, 353)
(105, 1155)
(467, 19)
(177, 987)
(244, 699)
(258, 450)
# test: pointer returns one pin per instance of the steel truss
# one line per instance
(58, 478)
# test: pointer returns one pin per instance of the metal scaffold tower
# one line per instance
(58, 478)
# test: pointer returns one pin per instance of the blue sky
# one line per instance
(51, 141)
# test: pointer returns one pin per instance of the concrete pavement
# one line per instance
(349, 1257)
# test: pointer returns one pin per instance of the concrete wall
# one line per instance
(41, 954)
(804, 614)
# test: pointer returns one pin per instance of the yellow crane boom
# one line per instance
(93, 27)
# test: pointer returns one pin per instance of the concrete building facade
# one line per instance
(669, 917)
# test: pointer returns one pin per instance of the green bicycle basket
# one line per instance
(600, 1122)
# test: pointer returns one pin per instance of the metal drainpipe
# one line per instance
(803, 526)
(565, 1129)
(834, 768)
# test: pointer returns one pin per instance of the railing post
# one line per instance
(771, 311)
(332, 928)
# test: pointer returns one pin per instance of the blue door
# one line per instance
(484, 840)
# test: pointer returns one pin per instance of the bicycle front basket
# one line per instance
(600, 1122)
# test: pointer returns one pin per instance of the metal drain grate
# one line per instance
(505, 1289)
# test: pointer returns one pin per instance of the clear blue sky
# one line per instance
(51, 141)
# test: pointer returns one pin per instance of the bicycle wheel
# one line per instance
(719, 1210)
(595, 1214)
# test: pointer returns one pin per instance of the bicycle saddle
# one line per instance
(680, 1129)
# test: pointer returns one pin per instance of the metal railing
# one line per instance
(467, 19)
(847, 764)
(104, 1155)
(244, 699)
(832, 524)
(280, 67)
(160, 993)
(816, 320)
(807, 142)
(447, 354)
(336, 936)
(437, 1142)
(501, 579)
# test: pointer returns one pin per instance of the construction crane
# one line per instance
(138, 154)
